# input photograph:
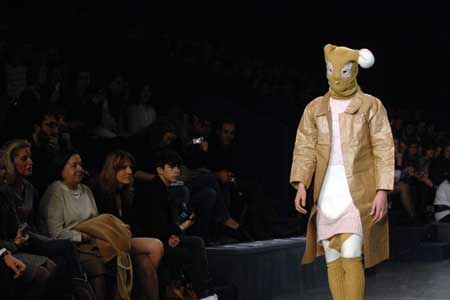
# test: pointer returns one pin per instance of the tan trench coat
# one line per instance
(368, 154)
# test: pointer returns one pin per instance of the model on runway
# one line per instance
(344, 139)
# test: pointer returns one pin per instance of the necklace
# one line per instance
(76, 193)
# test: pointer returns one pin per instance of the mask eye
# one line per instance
(329, 68)
(347, 70)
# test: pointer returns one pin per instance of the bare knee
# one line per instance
(149, 247)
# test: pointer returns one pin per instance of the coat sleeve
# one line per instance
(304, 156)
(382, 147)
(9, 245)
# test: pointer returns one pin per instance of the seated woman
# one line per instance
(154, 217)
(114, 195)
(66, 204)
(32, 271)
(442, 200)
(20, 209)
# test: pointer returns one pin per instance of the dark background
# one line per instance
(410, 43)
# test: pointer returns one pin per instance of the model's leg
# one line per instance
(354, 281)
(335, 271)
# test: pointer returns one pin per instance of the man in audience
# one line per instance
(154, 217)
(412, 153)
(47, 140)
(438, 172)
(202, 190)
(245, 197)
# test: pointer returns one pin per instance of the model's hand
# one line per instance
(379, 206)
(14, 264)
(300, 199)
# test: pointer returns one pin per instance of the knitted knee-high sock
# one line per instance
(336, 279)
(354, 281)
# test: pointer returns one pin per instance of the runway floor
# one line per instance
(400, 281)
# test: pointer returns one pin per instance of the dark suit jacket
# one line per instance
(153, 211)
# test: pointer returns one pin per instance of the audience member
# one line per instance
(401, 187)
(244, 196)
(114, 194)
(198, 177)
(65, 205)
(47, 140)
(141, 114)
(441, 166)
(154, 217)
(24, 220)
(412, 153)
(32, 271)
(113, 103)
(442, 200)
(82, 111)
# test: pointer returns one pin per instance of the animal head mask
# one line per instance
(342, 69)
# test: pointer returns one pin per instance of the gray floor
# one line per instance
(400, 281)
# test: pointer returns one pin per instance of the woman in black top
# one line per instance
(114, 195)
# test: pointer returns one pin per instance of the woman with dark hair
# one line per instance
(22, 222)
(66, 204)
(114, 195)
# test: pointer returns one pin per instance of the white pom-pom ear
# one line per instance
(366, 58)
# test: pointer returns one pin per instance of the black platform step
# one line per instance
(433, 251)
(260, 270)
(405, 240)
(442, 231)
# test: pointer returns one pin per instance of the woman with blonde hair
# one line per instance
(35, 270)
(114, 195)
(18, 165)
(21, 221)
